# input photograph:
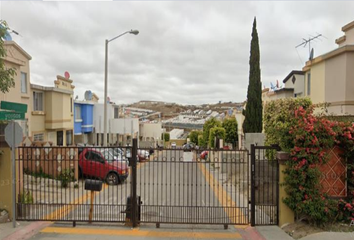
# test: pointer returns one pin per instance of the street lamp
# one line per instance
(135, 32)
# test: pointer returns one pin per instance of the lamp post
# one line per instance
(135, 32)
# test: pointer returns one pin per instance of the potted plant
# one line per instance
(23, 207)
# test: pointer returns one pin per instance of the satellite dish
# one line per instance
(311, 54)
(67, 75)
(88, 95)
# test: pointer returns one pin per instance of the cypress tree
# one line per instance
(253, 111)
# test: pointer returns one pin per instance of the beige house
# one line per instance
(329, 77)
(293, 87)
(18, 59)
(52, 112)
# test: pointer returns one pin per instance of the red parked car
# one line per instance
(204, 155)
(93, 164)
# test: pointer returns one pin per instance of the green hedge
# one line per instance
(279, 118)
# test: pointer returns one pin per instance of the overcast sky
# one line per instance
(186, 52)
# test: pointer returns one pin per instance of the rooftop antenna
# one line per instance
(308, 42)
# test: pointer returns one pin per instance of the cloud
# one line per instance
(186, 52)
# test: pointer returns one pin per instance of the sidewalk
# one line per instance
(23, 230)
(330, 236)
(84, 231)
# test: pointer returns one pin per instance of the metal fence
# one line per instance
(50, 183)
(151, 185)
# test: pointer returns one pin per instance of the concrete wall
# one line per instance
(298, 86)
(283, 94)
(151, 130)
(98, 118)
(335, 71)
(124, 125)
(6, 180)
(317, 93)
(58, 112)
(254, 138)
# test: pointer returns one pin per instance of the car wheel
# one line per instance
(112, 179)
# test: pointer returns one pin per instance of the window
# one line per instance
(60, 138)
(93, 156)
(71, 104)
(23, 82)
(308, 83)
(69, 138)
(97, 157)
(37, 101)
(88, 155)
(77, 112)
(38, 137)
(116, 112)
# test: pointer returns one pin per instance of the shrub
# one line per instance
(216, 132)
(279, 118)
(201, 141)
(292, 124)
(230, 126)
(193, 136)
(66, 176)
(209, 124)
(165, 137)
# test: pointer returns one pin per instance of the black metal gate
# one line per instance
(174, 186)
(195, 187)
(264, 186)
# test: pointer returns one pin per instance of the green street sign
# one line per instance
(12, 115)
(17, 107)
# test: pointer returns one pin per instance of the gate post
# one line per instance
(253, 191)
(134, 182)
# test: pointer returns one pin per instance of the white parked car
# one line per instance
(143, 155)
(173, 145)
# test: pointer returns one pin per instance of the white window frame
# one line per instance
(38, 137)
(23, 82)
(78, 113)
(38, 102)
(71, 137)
